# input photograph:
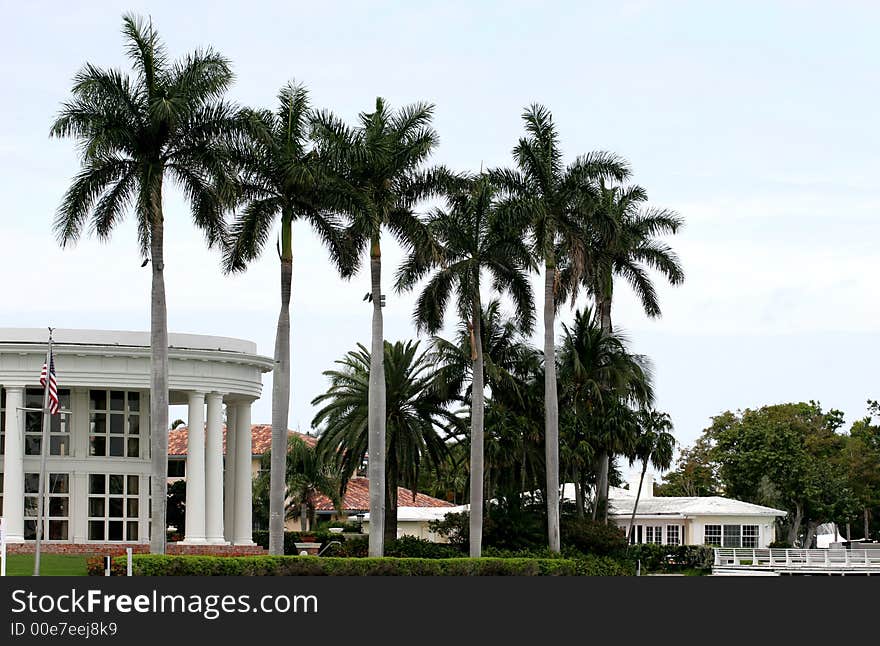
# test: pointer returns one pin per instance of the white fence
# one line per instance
(797, 559)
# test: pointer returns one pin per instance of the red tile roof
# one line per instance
(357, 498)
(261, 435)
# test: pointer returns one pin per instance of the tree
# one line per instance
(655, 445)
(695, 474)
(600, 379)
(417, 419)
(379, 178)
(547, 196)
(167, 122)
(307, 477)
(470, 239)
(860, 462)
(622, 236)
(281, 178)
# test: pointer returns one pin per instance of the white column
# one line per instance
(13, 466)
(243, 487)
(195, 470)
(229, 474)
(214, 470)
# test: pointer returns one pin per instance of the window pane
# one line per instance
(57, 530)
(134, 423)
(97, 400)
(58, 445)
(64, 398)
(30, 505)
(134, 446)
(134, 402)
(97, 423)
(132, 507)
(117, 400)
(33, 422)
(115, 508)
(58, 483)
(33, 398)
(117, 424)
(732, 536)
(117, 447)
(32, 483)
(98, 445)
(114, 530)
(58, 506)
(117, 484)
(96, 507)
(32, 444)
(96, 530)
(30, 530)
(132, 485)
(96, 483)
(132, 530)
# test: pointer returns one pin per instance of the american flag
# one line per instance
(53, 384)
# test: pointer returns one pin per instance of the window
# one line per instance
(59, 425)
(176, 468)
(654, 534)
(750, 536)
(113, 507)
(56, 506)
(672, 535)
(712, 535)
(2, 421)
(732, 536)
(114, 423)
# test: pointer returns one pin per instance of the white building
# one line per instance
(699, 520)
(99, 460)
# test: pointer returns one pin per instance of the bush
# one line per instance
(261, 538)
(589, 536)
(672, 558)
(504, 527)
(163, 565)
(403, 547)
(780, 544)
(95, 566)
(585, 564)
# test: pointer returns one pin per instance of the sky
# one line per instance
(755, 121)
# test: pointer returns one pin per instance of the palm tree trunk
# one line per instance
(578, 494)
(281, 396)
(867, 517)
(376, 403)
(551, 409)
(390, 525)
(632, 519)
(603, 304)
(158, 380)
(601, 503)
(477, 442)
(303, 518)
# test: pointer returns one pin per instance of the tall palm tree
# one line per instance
(281, 179)
(600, 378)
(549, 196)
(380, 178)
(655, 445)
(134, 133)
(418, 419)
(471, 239)
(627, 246)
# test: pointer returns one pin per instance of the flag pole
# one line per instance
(44, 450)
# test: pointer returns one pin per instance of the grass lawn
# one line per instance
(50, 564)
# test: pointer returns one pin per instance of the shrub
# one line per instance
(403, 547)
(95, 566)
(593, 537)
(672, 558)
(504, 527)
(780, 544)
(261, 538)
(163, 565)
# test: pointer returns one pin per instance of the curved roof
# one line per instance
(125, 338)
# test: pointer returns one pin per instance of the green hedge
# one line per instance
(161, 565)
(671, 558)
(261, 538)
(403, 547)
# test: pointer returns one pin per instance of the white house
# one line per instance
(698, 520)
(99, 450)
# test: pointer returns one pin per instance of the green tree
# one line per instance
(548, 196)
(470, 240)
(655, 445)
(168, 122)
(380, 178)
(860, 461)
(695, 474)
(418, 419)
(281, 178)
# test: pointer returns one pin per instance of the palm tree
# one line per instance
(549, 196)
(281, 178)
(380, 177)
(471, 239)
(134, 133)
(655, 444)
(600, 378)
(627, 247)
(417, 420)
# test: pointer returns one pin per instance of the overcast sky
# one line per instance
(757, 124)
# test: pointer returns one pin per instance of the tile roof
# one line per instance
(261, 435)
(357, 498)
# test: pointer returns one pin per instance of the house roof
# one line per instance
(261, 439)
(357, 498)
(423, 513)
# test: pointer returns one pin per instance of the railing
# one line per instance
(773, 559)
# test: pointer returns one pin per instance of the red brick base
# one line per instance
(118, 549)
